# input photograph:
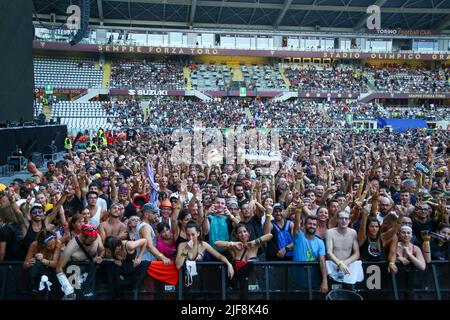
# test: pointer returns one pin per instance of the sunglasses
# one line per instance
(38, 212)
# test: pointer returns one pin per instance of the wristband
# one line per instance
(268, 215)
(427, 242)
(392, 263)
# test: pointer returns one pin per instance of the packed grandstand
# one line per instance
(232, 175)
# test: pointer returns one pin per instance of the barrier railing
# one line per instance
(267, 280)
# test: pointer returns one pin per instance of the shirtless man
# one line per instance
(92, 243)
(96, 213)
(343, 252)
(112, 226)
(163, 186)
(405, 208)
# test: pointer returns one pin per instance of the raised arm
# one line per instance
(220, 257)
(297, 222)
(112, 179)
(49, 219)
(76, 186)
(362, 228)
(268, 226)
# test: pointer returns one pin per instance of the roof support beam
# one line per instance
(279, 6)
(283, 11)
(444, 24)
(100, 10)
(192, 15)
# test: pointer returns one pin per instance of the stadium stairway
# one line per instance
(47, 111)
(237, 76)
(91, 93)
(324, 112)
(285, 78)
(187, 75)
(106, 74)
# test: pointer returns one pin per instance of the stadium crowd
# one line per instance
(338, 198)
(143, 74)
(328, 79)
(398, 78)
(164, 112)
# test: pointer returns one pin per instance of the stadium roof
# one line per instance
(289, 15)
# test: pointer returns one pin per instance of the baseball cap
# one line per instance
(33, 179)
(36, 206)
(150, 207)
(278, 206)
(232, 202)
(436, 190)
(174, 195)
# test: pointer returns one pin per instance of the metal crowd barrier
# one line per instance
(266, 281)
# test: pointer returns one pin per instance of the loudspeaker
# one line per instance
(17, 163)
(81, 33)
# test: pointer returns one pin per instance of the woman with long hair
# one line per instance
(369, 239)
(242, 252)
(179, 229)
(128, 266)
(42, 259)
(75, 224)
(194, 250)
(322, 222)
(165, 242)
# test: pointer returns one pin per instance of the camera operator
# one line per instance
(435, 245)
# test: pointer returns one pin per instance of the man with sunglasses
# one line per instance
(33, 226)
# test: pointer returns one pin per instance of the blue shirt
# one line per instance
(308, 250)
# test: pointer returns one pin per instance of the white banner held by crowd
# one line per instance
(262, 155)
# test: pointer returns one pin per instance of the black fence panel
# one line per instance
(264, 281)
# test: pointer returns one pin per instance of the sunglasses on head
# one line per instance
(90, 229)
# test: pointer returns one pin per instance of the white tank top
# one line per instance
(95, 220)
(147, 256)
